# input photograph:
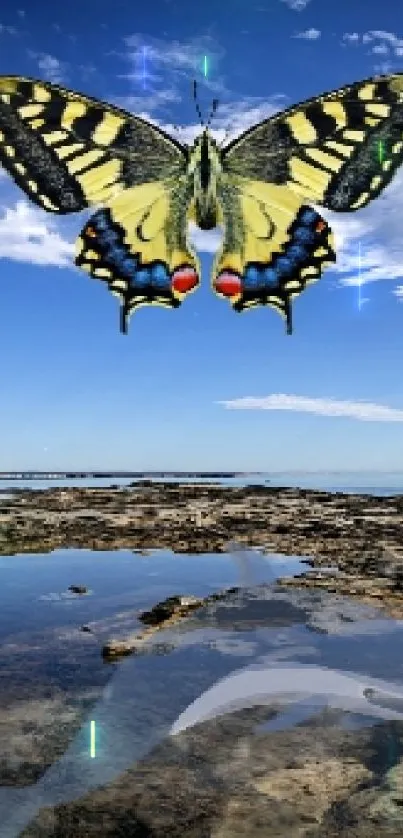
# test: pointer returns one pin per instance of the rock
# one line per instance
(163, 610)
(78, 589)
(360, 535)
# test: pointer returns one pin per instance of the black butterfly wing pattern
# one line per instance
(338, 150)
(67, 152)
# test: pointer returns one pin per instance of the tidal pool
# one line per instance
(72, 724)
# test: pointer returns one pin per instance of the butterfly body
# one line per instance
(206, 172)
(69, 152)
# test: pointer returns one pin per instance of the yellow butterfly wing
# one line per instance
(274, 246)
(68, 151)
(138, 246)
(338, 150)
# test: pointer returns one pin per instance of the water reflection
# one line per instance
(297, 636)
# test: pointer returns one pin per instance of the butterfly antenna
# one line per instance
(199, 113)
(212, 112)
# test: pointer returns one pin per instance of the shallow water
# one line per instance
(55, 681)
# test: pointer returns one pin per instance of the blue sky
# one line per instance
(200, 387)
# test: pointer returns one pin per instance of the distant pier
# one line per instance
(106, 475)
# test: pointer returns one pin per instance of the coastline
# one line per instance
(360, 536)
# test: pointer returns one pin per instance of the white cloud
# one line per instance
(381, 49)
(309, 34)
(297, 5)
(230, 120)
(377, 229)
(53, 69)
(27, 235)
(351, 37)
(363, 411)
(7, 30)
(205, 241)
(398, 291)
(380, 41)
(159, 68)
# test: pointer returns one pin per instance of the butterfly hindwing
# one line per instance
(68, 151)
(138, 246)
(338, 150)
(274, 246)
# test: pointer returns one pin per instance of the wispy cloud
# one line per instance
(205, 241)
(309, 34)
(379, 41)
(351, 38)
(51, 68)
(363, 411)
(27, 235)
(7, 30)
(159, 69)
(231, 119)
(296, 5)
(377, 228)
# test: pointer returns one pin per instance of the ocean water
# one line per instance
(375, 483)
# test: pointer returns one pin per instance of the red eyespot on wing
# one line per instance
(91, 232)
(320, 226)
(228, 284)
(184, 279)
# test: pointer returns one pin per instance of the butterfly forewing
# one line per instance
(338, 150)
(68, 151)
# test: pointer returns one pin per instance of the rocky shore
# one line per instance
(361, 536)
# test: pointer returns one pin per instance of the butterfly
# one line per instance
(69, 152)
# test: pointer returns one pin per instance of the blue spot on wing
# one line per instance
(270, 277)
(297, 253)
(115, 253)
(284, 266)
(308, 216)
(304, 235)
(160, 276)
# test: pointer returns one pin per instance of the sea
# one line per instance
(364, 482)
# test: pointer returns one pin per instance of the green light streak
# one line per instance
(92, 743)
(205, 68)
(380, 152)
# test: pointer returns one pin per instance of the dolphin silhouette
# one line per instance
(296, 685)
(123, 744)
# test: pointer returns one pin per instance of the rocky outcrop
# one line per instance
(360, 535)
